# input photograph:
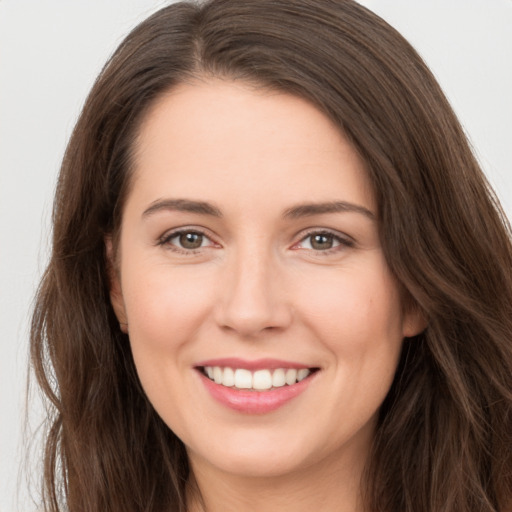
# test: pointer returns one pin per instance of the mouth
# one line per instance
(265, 379)
(255, 386)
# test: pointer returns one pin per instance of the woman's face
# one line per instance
(249, 250)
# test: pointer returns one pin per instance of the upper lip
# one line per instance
(253, 365)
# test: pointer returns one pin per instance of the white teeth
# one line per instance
(262, 379)
(217, 375)
(302, 374)
(291, 376)
(259, 380)
(243, 379)
(228, 377)
(278, 378)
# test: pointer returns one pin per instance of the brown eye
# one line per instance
(186, 241)
(190, 240)
(324, 242)
(321, 241)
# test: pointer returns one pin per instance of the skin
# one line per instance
(258, 287)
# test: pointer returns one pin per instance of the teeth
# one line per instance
(228, 377)
(291, 376)
(302, 374)
(243, 379)
(262, 379)
(259, 380)
(278, 378)
(217, 375)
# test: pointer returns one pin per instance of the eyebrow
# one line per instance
(295, 212)
(182, 205)
(310, 209)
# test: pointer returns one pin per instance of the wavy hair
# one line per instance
(444, 436)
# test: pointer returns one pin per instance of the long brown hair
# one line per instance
(444, 438)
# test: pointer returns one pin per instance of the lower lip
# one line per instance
(255, 402)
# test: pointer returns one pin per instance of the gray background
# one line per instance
(50, 53)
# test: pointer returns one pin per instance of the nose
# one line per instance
(252, 297)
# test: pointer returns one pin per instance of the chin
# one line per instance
(259, 455)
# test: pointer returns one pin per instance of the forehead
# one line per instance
(218, 136)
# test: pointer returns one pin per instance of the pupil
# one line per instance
(191, 240)
(321, 242)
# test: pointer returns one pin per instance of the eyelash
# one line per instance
(342, 241)
(165, 240)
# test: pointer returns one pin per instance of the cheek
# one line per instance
(165, 307)
(354, 308)
(166, 310)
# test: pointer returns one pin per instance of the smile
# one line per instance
(259, 380)
(255, 387)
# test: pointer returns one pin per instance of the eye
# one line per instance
(186, 240)
(324, 241)
(320, 241)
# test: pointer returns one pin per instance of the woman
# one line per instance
(279, 279)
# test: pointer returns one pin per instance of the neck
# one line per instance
(330, 486)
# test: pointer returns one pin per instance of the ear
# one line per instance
(414, 322)
(114, 284)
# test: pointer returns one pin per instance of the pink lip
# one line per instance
(257, 364)
(254, 402)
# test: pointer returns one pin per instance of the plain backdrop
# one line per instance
(50, 53)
